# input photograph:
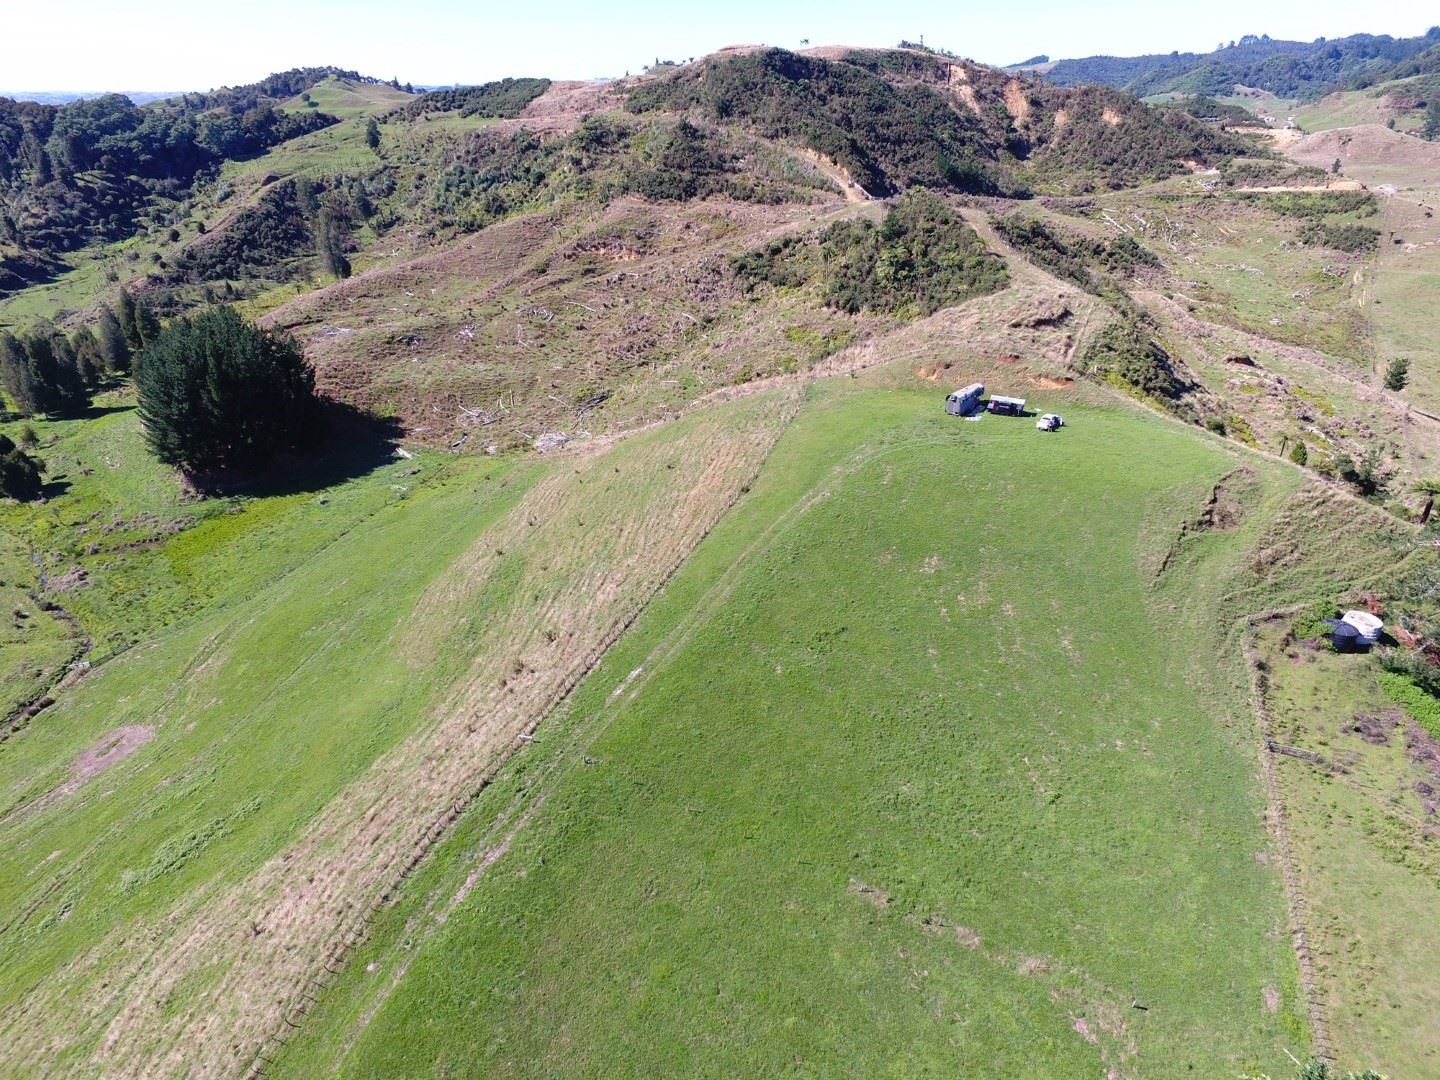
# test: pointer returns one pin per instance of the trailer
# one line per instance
(1007, 406)
(964, 402)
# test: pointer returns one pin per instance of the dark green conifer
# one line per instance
(218, 394)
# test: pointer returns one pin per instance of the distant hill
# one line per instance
(1425, 63)
(224, 194)
(65, 97)
(1292, 69)
(85, 171)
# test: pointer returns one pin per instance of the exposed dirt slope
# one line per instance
(589, 319)
(1371, 144)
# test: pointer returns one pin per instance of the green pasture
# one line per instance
(1366, 854)
(1351, 107)
(348, 99)
(934, 758)
(260, 706)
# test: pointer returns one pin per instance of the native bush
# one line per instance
(1366, 474)
(921, 258)
(1124, 353)
(503, 99)
(1356, 239)
(887, 137)
(1079, 260)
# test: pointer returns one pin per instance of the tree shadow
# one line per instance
(54, 488)
(349, 443)
(95, 412)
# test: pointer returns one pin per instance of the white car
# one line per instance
(1050, 422)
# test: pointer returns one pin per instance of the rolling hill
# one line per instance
(1287, 69)
(648, 676)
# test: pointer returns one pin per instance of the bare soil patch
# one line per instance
(1016, 101)
(1371, 144)
(1374, 729)
(566, 103)
(1047, 311)
(111, 750)
(1423, 748)
(108, 751)
(1223, 510)
(1279, 189)
(878, 897)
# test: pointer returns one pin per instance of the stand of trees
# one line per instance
(332, 237)
(44, 372)
(1303, 69)
(220, 396)
(503, 99)
(1125, 355)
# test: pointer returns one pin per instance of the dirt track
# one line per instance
(1280, 833)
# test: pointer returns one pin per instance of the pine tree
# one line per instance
(219, 394)
(332, 235)
(147, 323)
(125, 309)
(20, 474)
(73, 369)
(113, 346)
(16, 377)
(372, 134)
(40, 374)
(1397, 374)
(52, 363)
(89, 356)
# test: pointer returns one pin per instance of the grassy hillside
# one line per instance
(348, 98)
(881, 783)
(1360, 809)
(299, 722)
(1400, 105)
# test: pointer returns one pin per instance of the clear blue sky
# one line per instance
(198, 44)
